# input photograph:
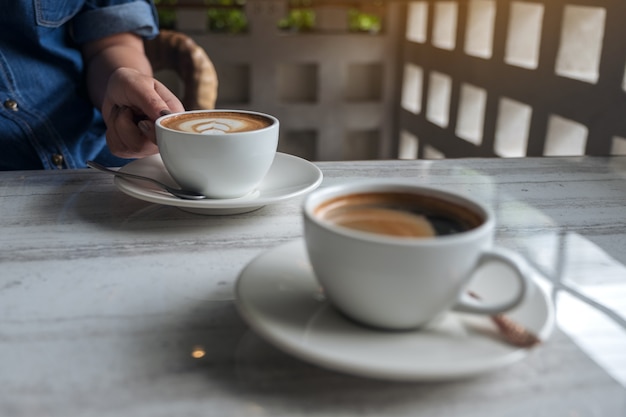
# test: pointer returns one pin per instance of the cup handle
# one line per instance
(471, 304)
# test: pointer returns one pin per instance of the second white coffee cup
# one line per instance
(219, 153)
(397, 255)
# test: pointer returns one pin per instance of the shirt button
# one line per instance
(57, 159)
(10, 104)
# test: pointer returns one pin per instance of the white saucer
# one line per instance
(277, 295)
(288, 177)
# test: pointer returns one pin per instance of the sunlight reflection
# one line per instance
(601, 338)
(594, 276)
(592, 309)
(590, 285)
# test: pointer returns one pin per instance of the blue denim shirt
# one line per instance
(46, 117)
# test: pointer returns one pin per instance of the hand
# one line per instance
(132, 102)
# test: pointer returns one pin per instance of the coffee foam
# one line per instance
(382, 220)
(216, 123)
(398, 214)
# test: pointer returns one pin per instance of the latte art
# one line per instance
(214, 126)
(219, 123)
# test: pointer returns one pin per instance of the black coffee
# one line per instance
(399, 214)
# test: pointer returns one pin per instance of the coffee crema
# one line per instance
(212, 123)
(399, 214)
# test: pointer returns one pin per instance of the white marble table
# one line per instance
(104, 298)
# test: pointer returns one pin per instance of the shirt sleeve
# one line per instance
(137, 17)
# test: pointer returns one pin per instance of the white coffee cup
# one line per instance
(219, 153)
(395, 282)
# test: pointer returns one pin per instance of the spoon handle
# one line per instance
(512, 332)
(99, 167)
(184, 194)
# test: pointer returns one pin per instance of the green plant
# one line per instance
(364, 22)
(298, 20)
(227, 16)
(166, 13)
(227, 20)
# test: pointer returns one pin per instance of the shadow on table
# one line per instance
(115, 211)
(221, 361)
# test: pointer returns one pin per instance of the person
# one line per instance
(76, 85)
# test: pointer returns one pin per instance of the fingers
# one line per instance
(132, 103)
(171, 101)
(124, 136)
(144, 94)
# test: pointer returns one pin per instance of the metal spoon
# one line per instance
(184, 194)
